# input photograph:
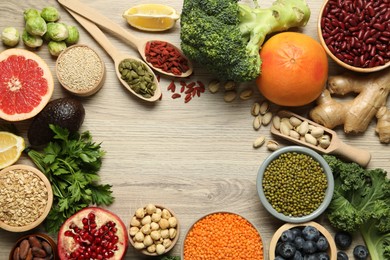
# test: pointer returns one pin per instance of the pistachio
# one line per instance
(284, 128)
(264, 107)
(230, 96)
(229, 85)
(276, 122)
(255, 109)
(287, 122)
(246, 94)
(214, 86)
(294, 134)
(259, 142)
(257, 122)
(317, 132)
(295, 121)
(272, 145)
(324, 141)
(266, 118)
(303, 128)
(310, 139)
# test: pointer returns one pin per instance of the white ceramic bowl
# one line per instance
(328, 193)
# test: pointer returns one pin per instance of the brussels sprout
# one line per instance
(57, 31)
(73, 35)
(31, 12)
(55, 48)
(36, 26)
(32, 41)
(50, 14)
(10, 36)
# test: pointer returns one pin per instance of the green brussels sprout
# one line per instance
(36, 26)
(57, 31)
(73, 35)
(10, 36)
(32, 41)
(55, 48)
(31, 12)
(50, 14)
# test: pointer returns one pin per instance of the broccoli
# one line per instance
(361, 201)
(225, 36)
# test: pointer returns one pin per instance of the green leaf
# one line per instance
(101, 194)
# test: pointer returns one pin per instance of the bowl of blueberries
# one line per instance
(308, 240)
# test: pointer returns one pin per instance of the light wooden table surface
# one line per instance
(194, 158)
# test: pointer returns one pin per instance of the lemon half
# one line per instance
(151, 17)
(11, 147)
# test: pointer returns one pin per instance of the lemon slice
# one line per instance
(151, 17)
(11, 147)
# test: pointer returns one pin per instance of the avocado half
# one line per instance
(65, 112)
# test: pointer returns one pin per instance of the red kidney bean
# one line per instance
(357, 32)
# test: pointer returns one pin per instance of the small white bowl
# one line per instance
(328, 193)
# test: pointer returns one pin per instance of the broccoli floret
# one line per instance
(225, 36)
(361, 201)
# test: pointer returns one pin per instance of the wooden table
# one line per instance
(194, 158)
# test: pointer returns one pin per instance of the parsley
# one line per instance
(71, 162)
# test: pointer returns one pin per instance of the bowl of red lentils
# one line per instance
(222, 235)
(295, 184)
(26, 198)
(356, 34)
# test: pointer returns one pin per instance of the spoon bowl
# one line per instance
(118, 57)
(136, 42)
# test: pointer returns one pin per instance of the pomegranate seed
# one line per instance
(114, 229)
(93, 225)
(85, 221)
(99, 257)
(68, 233)
(91, 216)
(72, 226)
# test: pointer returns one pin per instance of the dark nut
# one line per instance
(47, 247)
(24, 246)
(38, 252)
(29, 254)
(16, 255)
(34, 241)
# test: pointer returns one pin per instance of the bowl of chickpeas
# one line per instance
(153, 230)
(295, 184)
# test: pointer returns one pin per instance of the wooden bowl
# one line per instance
(332, 250)
(39, 220)
(77, 76)
(41, 237)
(174, 240)
(333, 55)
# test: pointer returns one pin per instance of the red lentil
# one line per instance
(165, 56)
(223, 236)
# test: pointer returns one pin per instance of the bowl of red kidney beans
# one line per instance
(356, 33)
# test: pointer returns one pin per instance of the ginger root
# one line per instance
(355, 114)
(383, 125)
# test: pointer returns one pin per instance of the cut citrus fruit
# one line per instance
(151, 17)
(26, 84)
(11, 147)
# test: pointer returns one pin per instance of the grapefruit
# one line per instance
(26, 84)
(294, 69)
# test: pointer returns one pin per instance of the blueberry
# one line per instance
(309, 247)
(287, 236)
(323, 256)
(360, 252)
(297, 256)
(297, 231)
(322, 244)
(279, 258)
(310, 233)
(342, 255)
(310, 257)
(286, 250)
(343, 240)
(298, 242)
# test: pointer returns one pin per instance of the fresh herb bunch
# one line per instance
(71, 162)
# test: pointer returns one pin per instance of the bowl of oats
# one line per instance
(26, 198)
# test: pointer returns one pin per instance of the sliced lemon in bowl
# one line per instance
(11, 147)
(151, 17)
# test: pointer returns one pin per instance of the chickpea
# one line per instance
(150, 209)
(146, 220)
(154, 226)
(160, 249)
(146, 229)
(140, 213)
(172, 222)
(156, 217)
(165, 233)
(151, 248)
(135, 222)
(164, 224)
(148, 241)
(156, 235)
(172, 233)
(167, 242)
(139, 237)
(133, 231)
(139, 245)
(166, 214)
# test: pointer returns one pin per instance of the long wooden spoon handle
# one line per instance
(99, 19)
(97, 34)
(360, 156)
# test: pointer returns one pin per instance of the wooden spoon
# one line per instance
(139, 43)
(360, 156)
(116, 55)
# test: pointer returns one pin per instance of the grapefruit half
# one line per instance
(26, 84)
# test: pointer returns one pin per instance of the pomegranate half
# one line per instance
(93, 233)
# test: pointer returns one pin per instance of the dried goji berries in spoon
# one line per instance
(173, 62)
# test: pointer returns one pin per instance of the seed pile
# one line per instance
(80, 68)
(138, 76)
(294, 184)
(358, 32)
(190, 90)
(23, 197)
(33, 247)
(223, 236)
(153, 228)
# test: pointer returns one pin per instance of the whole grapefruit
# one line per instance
(294, 69)
(26, 84)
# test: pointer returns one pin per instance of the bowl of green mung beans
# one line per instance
(295, 184)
